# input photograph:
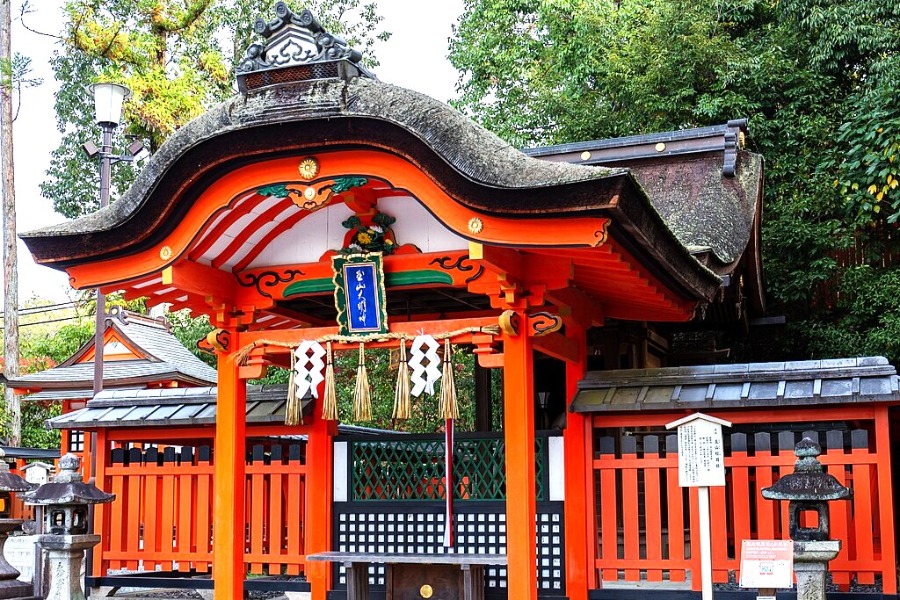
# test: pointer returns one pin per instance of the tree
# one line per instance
(13, 77)
(176, 56)
(817, 80)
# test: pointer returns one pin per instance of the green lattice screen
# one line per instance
(414, 469)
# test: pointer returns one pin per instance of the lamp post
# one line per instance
(108, 99)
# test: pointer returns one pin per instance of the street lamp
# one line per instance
(108, 99)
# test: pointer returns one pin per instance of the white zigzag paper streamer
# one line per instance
(308, 368)
(425, 365)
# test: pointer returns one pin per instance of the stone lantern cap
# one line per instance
(10, 482)
(808, 482)
(68, 487)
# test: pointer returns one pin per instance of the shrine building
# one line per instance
(322, 211)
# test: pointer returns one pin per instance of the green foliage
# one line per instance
(34, 433)
(817, 80)
(382, 379)
(866, 319)
(190, 330)
(60, 344)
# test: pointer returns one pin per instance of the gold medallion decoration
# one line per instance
(165, 253)
(426, 591)
(310, 193)
(476, 225)
(308, 168)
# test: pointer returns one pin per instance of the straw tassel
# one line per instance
(402, 403)
(293, 412)
(449, 406)
(329, 401)
(362, 402)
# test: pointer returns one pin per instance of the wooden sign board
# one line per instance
(701, 456)
(767, 564)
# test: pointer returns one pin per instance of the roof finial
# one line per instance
(296, 48)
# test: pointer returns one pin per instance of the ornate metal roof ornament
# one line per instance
(296, 48)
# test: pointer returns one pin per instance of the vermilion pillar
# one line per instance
(229, 479)
(580, 524)
(319, 498)
(518, 418)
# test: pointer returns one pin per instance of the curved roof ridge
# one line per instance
(469, 148)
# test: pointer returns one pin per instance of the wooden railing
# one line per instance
(162, 516)
(647, 524)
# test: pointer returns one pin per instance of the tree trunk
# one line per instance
(10, 273)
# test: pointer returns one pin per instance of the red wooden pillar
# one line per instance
(518, 418)
(580, 523)
(228, 482)
(886, 498)
(319, 498)
(101, 511)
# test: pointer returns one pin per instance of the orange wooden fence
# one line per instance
(645, 521)
(162, 516)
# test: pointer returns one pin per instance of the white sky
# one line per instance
(414, 57)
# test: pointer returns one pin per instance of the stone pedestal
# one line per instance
(65, 557)
(811, 565)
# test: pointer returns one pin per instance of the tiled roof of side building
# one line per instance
(749, 385)
(174, 407)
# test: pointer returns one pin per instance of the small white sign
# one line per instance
(701, 456)
(767, 564)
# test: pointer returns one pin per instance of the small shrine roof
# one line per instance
(161, 358)
(749, 385)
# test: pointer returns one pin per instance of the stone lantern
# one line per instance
(10, 586)
(66, 500)
(809, 489)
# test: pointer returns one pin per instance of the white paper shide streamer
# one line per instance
(425, 364)
(309, 368)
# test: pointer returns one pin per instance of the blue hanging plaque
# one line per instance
(359, 294)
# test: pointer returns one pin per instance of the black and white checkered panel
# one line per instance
(419, 528)
(551, 575)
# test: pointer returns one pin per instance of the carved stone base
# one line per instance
(65, 557)
(811, 566)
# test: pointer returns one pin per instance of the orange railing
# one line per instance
(162, 516)
(647, 524)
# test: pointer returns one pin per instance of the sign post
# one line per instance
(701, 464)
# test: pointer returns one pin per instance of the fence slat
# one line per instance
(675, 518)
(653, 505)
(629, 497)
(203, 534)
(609, 531)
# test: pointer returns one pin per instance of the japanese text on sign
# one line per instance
(767, 564)
(701, 460)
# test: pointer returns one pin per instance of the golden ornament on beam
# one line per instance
(308, 168)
